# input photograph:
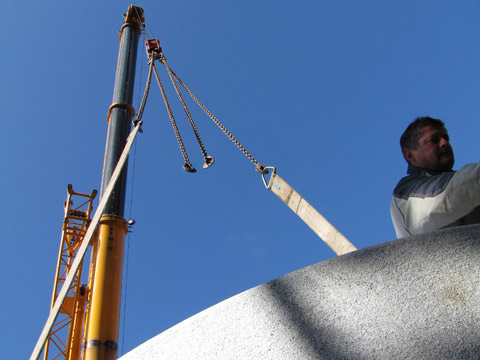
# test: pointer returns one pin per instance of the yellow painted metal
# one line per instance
(75, 347)
(91, 279)
(65, 338)
(84, 246)
(104, 312)
(121, 105)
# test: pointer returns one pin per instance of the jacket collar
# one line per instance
(415, 170)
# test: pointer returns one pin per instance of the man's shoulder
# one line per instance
(422, 185)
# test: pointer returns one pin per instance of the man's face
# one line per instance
(433, 151)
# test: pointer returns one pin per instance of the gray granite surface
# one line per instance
(413, 298)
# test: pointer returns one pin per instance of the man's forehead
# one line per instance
(429, 130)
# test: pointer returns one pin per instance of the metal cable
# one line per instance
(259, 167)
(145, 24)
(188, 166)
(125, 292)
(189, 116)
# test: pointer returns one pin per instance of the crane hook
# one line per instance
(209, 160)
(189, 168)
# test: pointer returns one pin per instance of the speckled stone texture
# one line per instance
(413, 298)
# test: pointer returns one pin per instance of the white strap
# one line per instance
(310, 216)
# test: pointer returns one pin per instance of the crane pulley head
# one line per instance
(153, 48)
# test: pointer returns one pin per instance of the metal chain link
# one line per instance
(188, 166)
(208, 159)
(145, 93)
(259, 167)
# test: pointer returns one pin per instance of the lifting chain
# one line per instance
(259, 167)
(188, 165)
(278, 186)
(145, 95)
(154, 52)
(208, 159)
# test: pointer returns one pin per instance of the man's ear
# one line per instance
(409, 155)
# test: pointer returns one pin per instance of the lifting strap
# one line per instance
(309, 215)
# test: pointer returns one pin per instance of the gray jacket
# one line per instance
(425, 201)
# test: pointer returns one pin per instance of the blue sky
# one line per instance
(320, 89)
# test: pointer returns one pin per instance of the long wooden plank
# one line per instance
(85, 243)
(326, 231)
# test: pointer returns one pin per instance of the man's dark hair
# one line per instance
(409, 138)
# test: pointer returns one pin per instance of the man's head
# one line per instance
(425, 143)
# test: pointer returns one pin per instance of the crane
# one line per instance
(92, 311)
(87, 314)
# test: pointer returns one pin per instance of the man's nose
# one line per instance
(443, 141)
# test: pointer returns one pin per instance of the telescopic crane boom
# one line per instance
(104, 312)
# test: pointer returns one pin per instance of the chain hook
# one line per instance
(209, 160)
(189, 168)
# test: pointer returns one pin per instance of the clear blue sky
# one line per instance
(320, 89)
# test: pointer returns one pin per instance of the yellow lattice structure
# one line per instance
(69, 322)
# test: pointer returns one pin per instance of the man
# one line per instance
(433, 196)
